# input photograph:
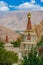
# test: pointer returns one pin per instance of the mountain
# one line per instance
(12, 35)
(17, 20)
(39, 29)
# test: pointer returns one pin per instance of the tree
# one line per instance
(1, 44)
(32, 58)
(7, 57)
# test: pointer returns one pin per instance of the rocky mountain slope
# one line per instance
(17, 20)
(39, 29)
(12, 35)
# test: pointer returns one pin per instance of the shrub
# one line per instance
(1, 44)
(16, 43)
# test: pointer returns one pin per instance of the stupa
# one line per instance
(29, 37)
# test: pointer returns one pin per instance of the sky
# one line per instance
(11, 5)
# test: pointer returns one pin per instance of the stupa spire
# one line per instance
(29, 26)
(6, 38)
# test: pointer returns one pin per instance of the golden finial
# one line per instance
(29, 15)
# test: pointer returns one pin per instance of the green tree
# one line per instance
(1, 44)
(7, 57)
(32, 58)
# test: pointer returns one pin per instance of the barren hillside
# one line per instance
(17, 20)
(39, 29)
(12, 35)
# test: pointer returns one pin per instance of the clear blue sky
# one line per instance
(7, 5)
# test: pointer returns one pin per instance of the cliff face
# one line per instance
(39, 29)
